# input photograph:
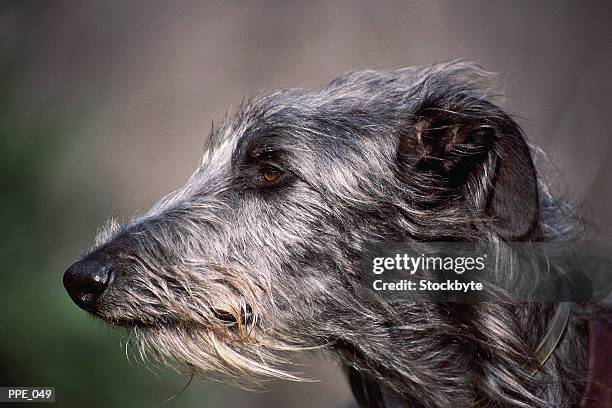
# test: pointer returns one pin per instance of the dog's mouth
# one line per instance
(230, 319)
(220, 319)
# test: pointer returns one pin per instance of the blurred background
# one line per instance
(104, 106)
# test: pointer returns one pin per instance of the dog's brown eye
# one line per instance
(270, 173)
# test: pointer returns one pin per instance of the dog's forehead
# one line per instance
(289, 116)
(277, 118)
(299, 118)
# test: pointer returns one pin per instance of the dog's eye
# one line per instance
(270, 173)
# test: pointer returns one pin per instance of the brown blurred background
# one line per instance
(105, 104)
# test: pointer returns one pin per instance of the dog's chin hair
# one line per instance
(206, 355)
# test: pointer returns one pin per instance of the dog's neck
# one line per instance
(593, 388)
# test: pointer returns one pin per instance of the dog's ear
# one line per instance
(476, 149)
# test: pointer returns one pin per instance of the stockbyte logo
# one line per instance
(428, 286)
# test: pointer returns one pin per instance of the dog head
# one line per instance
(258, 254)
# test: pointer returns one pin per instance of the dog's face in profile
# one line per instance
(258, 254)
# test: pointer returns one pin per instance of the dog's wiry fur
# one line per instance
(230, 275)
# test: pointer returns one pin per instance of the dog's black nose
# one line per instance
(86, 280)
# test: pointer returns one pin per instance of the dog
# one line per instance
(256, 258)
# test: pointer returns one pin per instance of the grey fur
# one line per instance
(231, 275)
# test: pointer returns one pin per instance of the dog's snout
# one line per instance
(86, 280)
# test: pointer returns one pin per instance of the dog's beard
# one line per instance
(214, 354)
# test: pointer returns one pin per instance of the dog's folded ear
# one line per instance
(479, 151)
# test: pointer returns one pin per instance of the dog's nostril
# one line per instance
(100, 278)
(86, 280)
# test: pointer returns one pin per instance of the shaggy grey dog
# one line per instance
(257, 256)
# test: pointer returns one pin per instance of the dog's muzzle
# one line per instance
(86, 280)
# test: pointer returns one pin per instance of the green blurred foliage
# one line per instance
(52, 198)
